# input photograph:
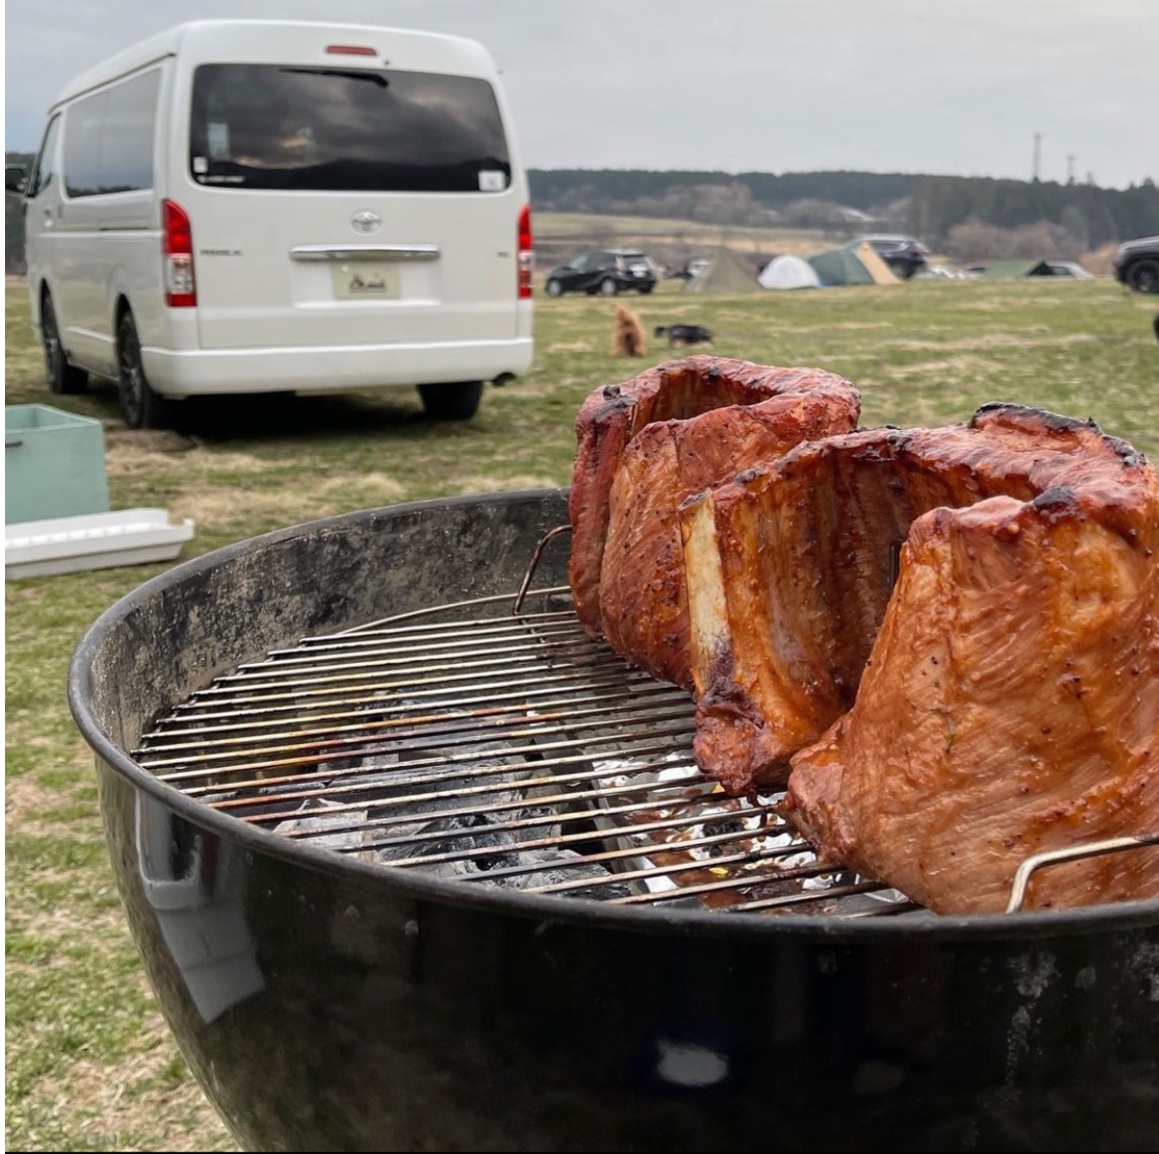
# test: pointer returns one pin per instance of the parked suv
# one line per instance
(1136, 264)
(606, 271)
(904, 255)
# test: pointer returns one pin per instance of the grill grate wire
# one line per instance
(498, 748)
(507, 749)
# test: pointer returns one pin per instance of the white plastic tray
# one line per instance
(91, 541)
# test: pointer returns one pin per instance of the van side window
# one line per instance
(338, 129)
(45, 167)
(108, 139)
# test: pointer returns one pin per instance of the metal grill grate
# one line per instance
(505, 749)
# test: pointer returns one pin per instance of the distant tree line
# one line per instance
(929, 206)
(968, 217)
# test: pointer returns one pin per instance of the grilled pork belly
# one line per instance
(646, 445)
(790, 571)
(1010, 706)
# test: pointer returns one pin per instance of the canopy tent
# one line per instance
(852, 264)
(788, 272)
(1012, 269)
(724, 273)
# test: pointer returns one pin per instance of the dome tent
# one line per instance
(788, 272)
(852, 264)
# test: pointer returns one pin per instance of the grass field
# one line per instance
(90, 1062)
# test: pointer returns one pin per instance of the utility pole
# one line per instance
(1037, 153)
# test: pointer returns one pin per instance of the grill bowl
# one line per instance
(326, 1003)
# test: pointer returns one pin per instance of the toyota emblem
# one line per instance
(366, 222)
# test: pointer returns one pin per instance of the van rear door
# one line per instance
(342, 204)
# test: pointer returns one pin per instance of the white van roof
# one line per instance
(456, 52)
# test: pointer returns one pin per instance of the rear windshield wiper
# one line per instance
(347, 73)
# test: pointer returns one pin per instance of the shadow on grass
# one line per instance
(283, 415)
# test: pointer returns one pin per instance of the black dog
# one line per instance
(1156, 324)
(680, 335)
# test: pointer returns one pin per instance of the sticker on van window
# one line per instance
(492, 180)
(217, 137)
(200, 164)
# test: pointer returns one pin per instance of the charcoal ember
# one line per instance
(325, 825)
(508, 864)
(465, 833)
(565, 865)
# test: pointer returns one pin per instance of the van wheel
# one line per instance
(62, 377)
(608, 287)
(451, 402)
(141, 407)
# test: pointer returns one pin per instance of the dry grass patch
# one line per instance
(383, 489)
(996, 341)
(125, 1099)
(948, 366)
(217, 508)
(481, 483)
(24, 795)
(128, 456)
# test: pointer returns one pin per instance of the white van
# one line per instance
(241, 206)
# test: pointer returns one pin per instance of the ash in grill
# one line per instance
(505, 749)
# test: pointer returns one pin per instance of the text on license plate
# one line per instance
(374, 279)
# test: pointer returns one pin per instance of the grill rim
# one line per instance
(1023, 925)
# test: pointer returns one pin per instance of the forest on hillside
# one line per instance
(1075, 216)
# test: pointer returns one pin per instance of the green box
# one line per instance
(54, 464)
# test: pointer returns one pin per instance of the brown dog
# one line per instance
(628, 335)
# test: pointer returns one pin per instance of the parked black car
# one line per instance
(606, 271)
(1136, 264)
(904, 255)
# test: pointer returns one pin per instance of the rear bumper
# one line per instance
(202, 372)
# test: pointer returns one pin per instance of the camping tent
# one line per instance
(724, 273)
(852, 264)
(788, 272)
(1012, 269)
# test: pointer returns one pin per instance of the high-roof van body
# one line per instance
(240, 206)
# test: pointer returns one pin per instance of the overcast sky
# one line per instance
(935, 86)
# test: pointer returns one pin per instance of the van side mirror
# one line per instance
(15, 178)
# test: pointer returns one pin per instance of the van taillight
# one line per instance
(177, 253)
(525, 253)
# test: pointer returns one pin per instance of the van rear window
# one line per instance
(338, 129)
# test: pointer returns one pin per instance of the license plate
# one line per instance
(365, 279)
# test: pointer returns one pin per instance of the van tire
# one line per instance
(141, 407)
(62, 377)
(608, 287)
(451, 402)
